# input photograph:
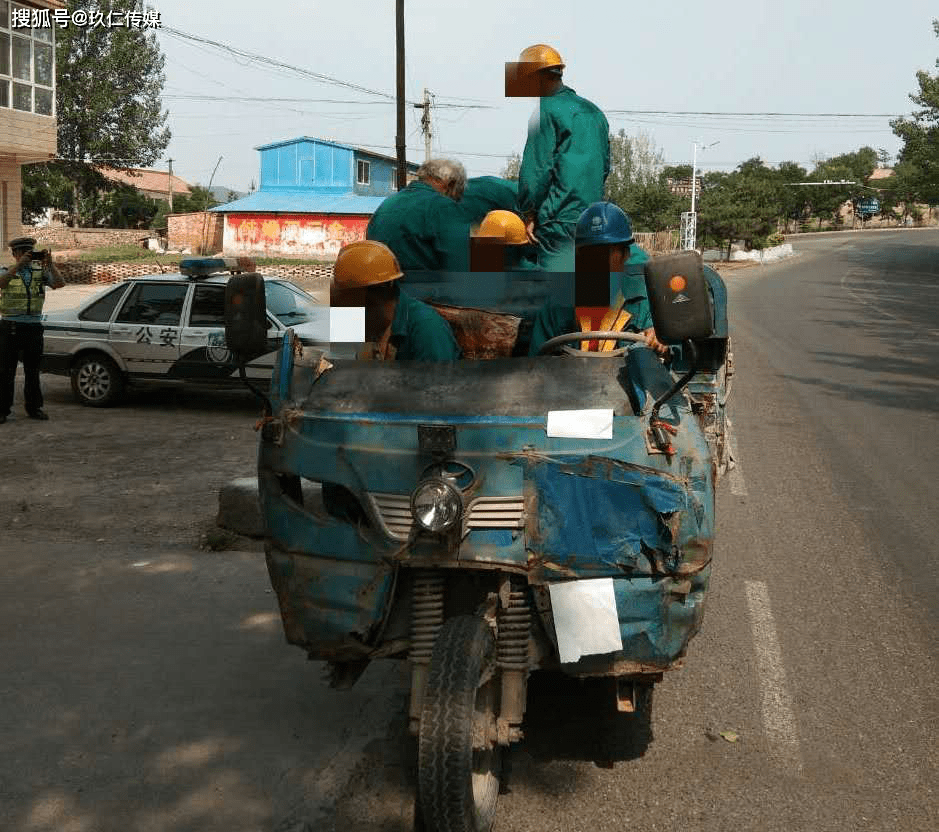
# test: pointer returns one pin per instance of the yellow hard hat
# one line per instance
(541, 56)
(363, 264)
(505, 225)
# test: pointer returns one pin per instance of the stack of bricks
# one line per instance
(87, 237)
(85, 273)
(107, 272)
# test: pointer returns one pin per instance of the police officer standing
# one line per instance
(22, 292)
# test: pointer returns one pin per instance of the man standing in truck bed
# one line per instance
(566, 160)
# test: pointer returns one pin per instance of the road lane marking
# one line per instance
(864, 275)
(738, 485)
(778, 721)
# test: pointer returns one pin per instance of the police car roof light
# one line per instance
(197, 267)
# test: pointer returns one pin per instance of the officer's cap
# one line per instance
(22, 242)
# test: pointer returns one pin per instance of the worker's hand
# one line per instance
(654, 342)
(530, 231)
(47, 258)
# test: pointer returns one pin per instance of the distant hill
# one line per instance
(220, 192)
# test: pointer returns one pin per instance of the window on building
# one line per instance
(362, 172)
(27, 64)
(394, 178)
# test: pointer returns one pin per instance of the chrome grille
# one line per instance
(393, 511)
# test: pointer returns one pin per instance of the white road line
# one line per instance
(864, 274)
(738, 485)
(778, 721)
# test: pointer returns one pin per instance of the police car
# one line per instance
(168, 328)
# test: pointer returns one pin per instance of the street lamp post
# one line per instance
(690, 218)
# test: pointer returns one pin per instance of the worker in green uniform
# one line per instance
(566, 159)
(423, 224)
(366, 274)
(500, 244)
(604, 233)
(483, 194)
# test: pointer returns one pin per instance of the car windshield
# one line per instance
(290, 305)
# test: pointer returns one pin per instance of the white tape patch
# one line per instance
(585, 618)
(347, 324)
(779, 723)
(580, 424)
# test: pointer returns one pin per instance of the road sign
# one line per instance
(869, 206)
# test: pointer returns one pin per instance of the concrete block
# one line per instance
(239, 509)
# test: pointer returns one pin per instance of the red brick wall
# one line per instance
(186, 231)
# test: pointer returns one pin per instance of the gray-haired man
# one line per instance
(423, 225)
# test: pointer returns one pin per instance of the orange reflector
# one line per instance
(676, 283)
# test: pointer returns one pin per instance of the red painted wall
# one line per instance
(297, 235)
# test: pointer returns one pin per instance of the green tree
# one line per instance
(653, 207)
(108, 87)
(199, 198)
(920, 135)
(793, 200)
(124, 207)
(512, 166)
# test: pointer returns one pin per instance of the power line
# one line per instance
(762, 115)
(277, 65)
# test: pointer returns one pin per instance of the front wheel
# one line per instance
(458, 759)
(97, 381)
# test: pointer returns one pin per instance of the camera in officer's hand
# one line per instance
(38, 255)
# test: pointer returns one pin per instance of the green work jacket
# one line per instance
(419, 333)
(555, 319)
(483, 194)
(425, 229)
(565, 164)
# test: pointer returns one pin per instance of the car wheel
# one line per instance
(97, 381)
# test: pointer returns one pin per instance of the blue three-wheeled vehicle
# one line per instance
(499, 514)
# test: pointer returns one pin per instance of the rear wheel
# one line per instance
(97, 381)
(458, 760)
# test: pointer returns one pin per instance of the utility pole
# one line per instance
(169, 186)
(399, 52)
(425, 123)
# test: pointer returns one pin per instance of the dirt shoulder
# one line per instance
(145, 474)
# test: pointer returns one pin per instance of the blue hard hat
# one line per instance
(603, 224)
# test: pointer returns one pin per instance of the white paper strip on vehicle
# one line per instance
(347, 324)
(585, 618)
(580, 424)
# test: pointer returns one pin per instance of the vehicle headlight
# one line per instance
(436, 505)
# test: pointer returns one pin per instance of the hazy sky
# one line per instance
(840, 56)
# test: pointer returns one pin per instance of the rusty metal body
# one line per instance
(364, 581)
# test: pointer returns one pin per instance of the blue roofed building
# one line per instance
(314, 197)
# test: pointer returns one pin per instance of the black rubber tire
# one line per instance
(97, 381)
(463, 653)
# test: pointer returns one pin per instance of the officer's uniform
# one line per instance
(21, 332)
(423, 228)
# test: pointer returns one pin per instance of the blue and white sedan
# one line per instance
(166, 328)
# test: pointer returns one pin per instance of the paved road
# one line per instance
(151, 689)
